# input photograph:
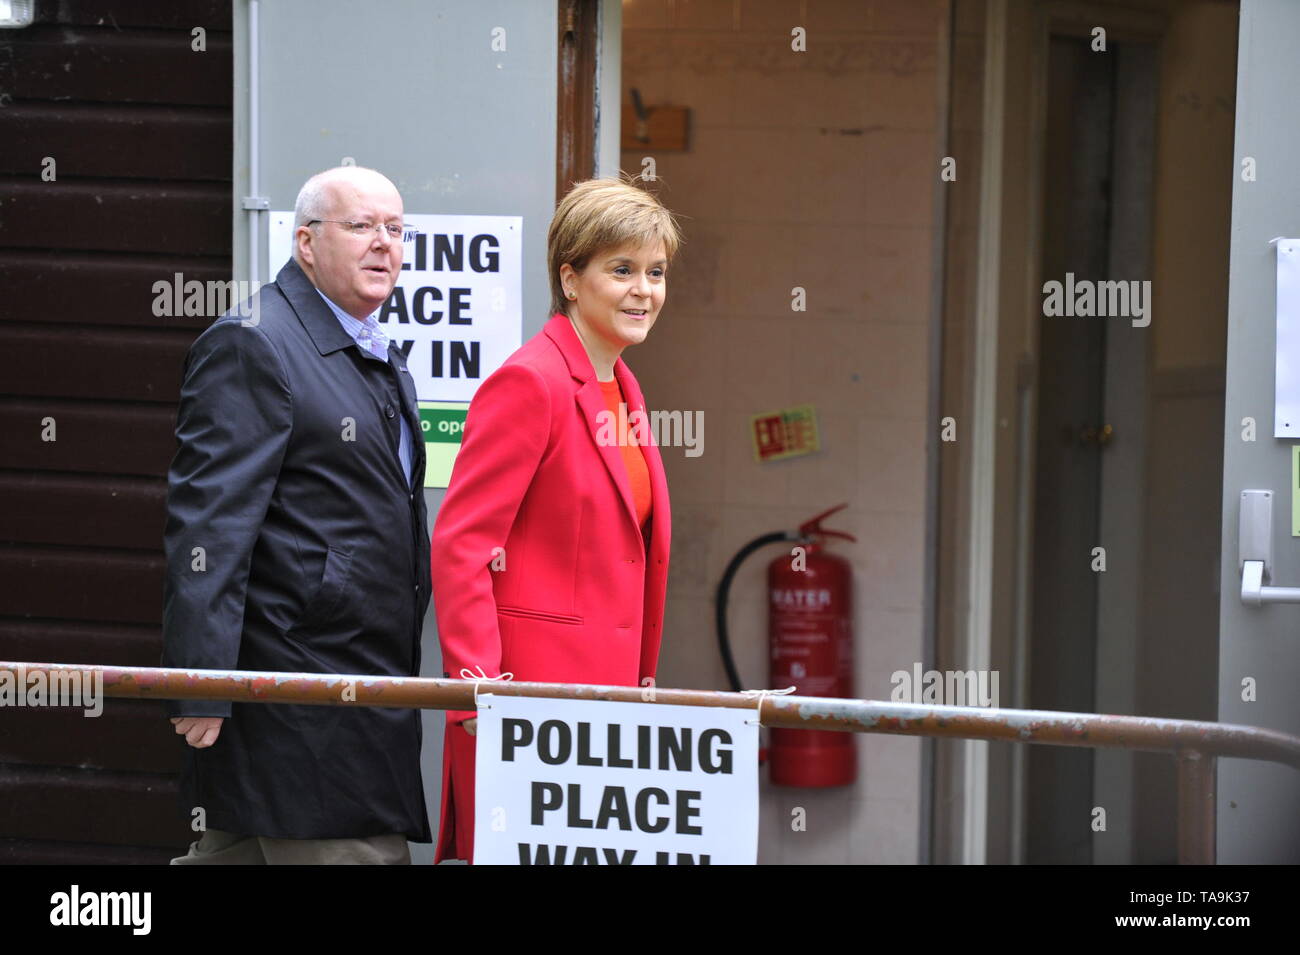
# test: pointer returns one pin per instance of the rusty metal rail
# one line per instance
(1195, 745)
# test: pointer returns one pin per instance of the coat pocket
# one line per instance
(323, 604)
(539, 615)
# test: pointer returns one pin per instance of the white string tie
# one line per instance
(480, 678)
(759, 695)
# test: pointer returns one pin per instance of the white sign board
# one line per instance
(456, 309)
(1286, 405)
(585, 782)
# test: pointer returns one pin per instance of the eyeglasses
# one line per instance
(394, 229)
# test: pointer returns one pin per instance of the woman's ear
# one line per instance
(568, 278)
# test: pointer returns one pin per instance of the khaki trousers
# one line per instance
(227, 848)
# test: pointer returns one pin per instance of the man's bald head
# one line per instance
(318, 197)
(340, 237)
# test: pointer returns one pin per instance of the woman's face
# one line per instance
(618, 295)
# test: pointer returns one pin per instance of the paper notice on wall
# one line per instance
(455, 313)
(1286, 411)
(456, 310)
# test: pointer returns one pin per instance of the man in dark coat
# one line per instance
(297, 541)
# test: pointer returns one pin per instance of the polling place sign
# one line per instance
(456, 313)
(588, 782)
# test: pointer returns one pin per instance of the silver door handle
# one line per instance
(1255, 593)
(1255, 551)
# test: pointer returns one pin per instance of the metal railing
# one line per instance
(1194, 744)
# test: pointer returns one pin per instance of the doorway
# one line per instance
(1090, 432)
(1088, 164)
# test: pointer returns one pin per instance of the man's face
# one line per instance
(356, 272)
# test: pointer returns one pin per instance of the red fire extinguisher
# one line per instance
(810, 636)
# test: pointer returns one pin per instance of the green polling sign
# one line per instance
(443, 424)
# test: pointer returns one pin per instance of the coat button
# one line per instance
(389, 411)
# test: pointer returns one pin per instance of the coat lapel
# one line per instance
(560, 330)
(329, 336)
(593, 403)
(654, 462)
(326, 333)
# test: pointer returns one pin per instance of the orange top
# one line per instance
(633, 459)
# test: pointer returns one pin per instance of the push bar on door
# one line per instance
(1255, 551)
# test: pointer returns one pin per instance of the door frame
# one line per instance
(589, 47)
(578, 42)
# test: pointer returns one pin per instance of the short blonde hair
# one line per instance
(603, 214)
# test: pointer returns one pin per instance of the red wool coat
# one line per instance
(539, 567)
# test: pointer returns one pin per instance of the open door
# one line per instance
(1259, 642)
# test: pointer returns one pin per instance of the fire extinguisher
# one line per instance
(810, 638)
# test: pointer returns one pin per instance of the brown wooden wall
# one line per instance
(140, 126)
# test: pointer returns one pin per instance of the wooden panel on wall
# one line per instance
(116, 215)
(76, 510)
(96, 65)
(100, 437)
(100, 288)
(71, 641)
(135, 142)
(84, 805)
(69, 361)
(140, 127)
(128, 736)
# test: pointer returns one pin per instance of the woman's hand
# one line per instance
(471, 726)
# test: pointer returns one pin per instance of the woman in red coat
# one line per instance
(550, 550)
